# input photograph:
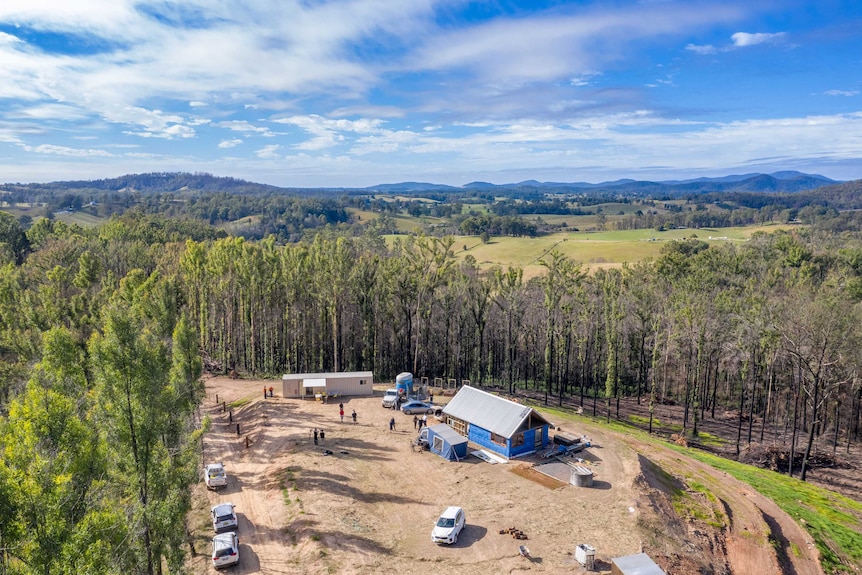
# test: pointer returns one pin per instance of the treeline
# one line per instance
(497, 226)
(698, 326)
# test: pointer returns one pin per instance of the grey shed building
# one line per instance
(311, 384)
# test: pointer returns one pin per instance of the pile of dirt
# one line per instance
(681, 539)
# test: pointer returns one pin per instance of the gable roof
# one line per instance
(448, 434)
(492, 412)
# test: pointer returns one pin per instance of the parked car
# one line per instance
(224, 517)
(389, 398)
(420, 407)
(448, 526)
(225, 550)
(215, 475)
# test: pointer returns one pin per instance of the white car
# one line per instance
(224, 517)
(448, 526)
(215, 475)
(225, 550)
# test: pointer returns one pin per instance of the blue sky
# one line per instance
(359, 92)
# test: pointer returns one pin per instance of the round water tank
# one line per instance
(404, 377)
(581, 477)
(404, 383)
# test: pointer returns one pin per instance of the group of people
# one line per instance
(418, 422)
(341, 413)
(319, 433)
(267, 392)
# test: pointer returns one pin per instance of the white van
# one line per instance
(389, 398)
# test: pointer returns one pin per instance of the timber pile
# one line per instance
(776, 458)
(679, 439)
(514, 532)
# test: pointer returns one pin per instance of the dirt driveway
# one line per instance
(369, 505)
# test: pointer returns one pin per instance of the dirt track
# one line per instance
(370, 505)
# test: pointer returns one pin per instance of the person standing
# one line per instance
(391, 425)
(264, 392)
(415, 421)
(424, 421)
(353, 415)
(341, 412)
(322, 436)
(270, 391)
(315, 436)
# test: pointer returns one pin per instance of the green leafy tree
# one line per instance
(131, 365)
(13, 240)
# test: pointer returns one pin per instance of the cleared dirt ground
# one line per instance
(369, 506)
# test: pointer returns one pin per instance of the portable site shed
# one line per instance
(638, 564)
(445, 442)
(311, 384)
(498, 424)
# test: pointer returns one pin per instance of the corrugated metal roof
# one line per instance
(327, 375)
(489, 411)
(448, 434)
(639, 564)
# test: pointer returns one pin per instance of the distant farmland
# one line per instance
(592, 249)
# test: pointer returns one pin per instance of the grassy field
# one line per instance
(83, 219)
(592, 249)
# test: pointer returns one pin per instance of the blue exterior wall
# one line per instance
(483, 437)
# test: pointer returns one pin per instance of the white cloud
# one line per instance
(268, 152)
(245, 127)
(7, 138)
(565, 44)
(8, 38)
(329, 132)
(584, 79)
(65, 151)
(230, 143)
(742, 39)
(703, 50)
(841, 92)
(50, 111)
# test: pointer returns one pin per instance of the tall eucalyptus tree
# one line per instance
(509, 292)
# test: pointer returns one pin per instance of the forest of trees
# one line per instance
(100, 388)
(103, 333)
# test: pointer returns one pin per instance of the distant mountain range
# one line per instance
(168, 182)
(783, 182)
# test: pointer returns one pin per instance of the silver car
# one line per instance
(420, 407)
(224, 517)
